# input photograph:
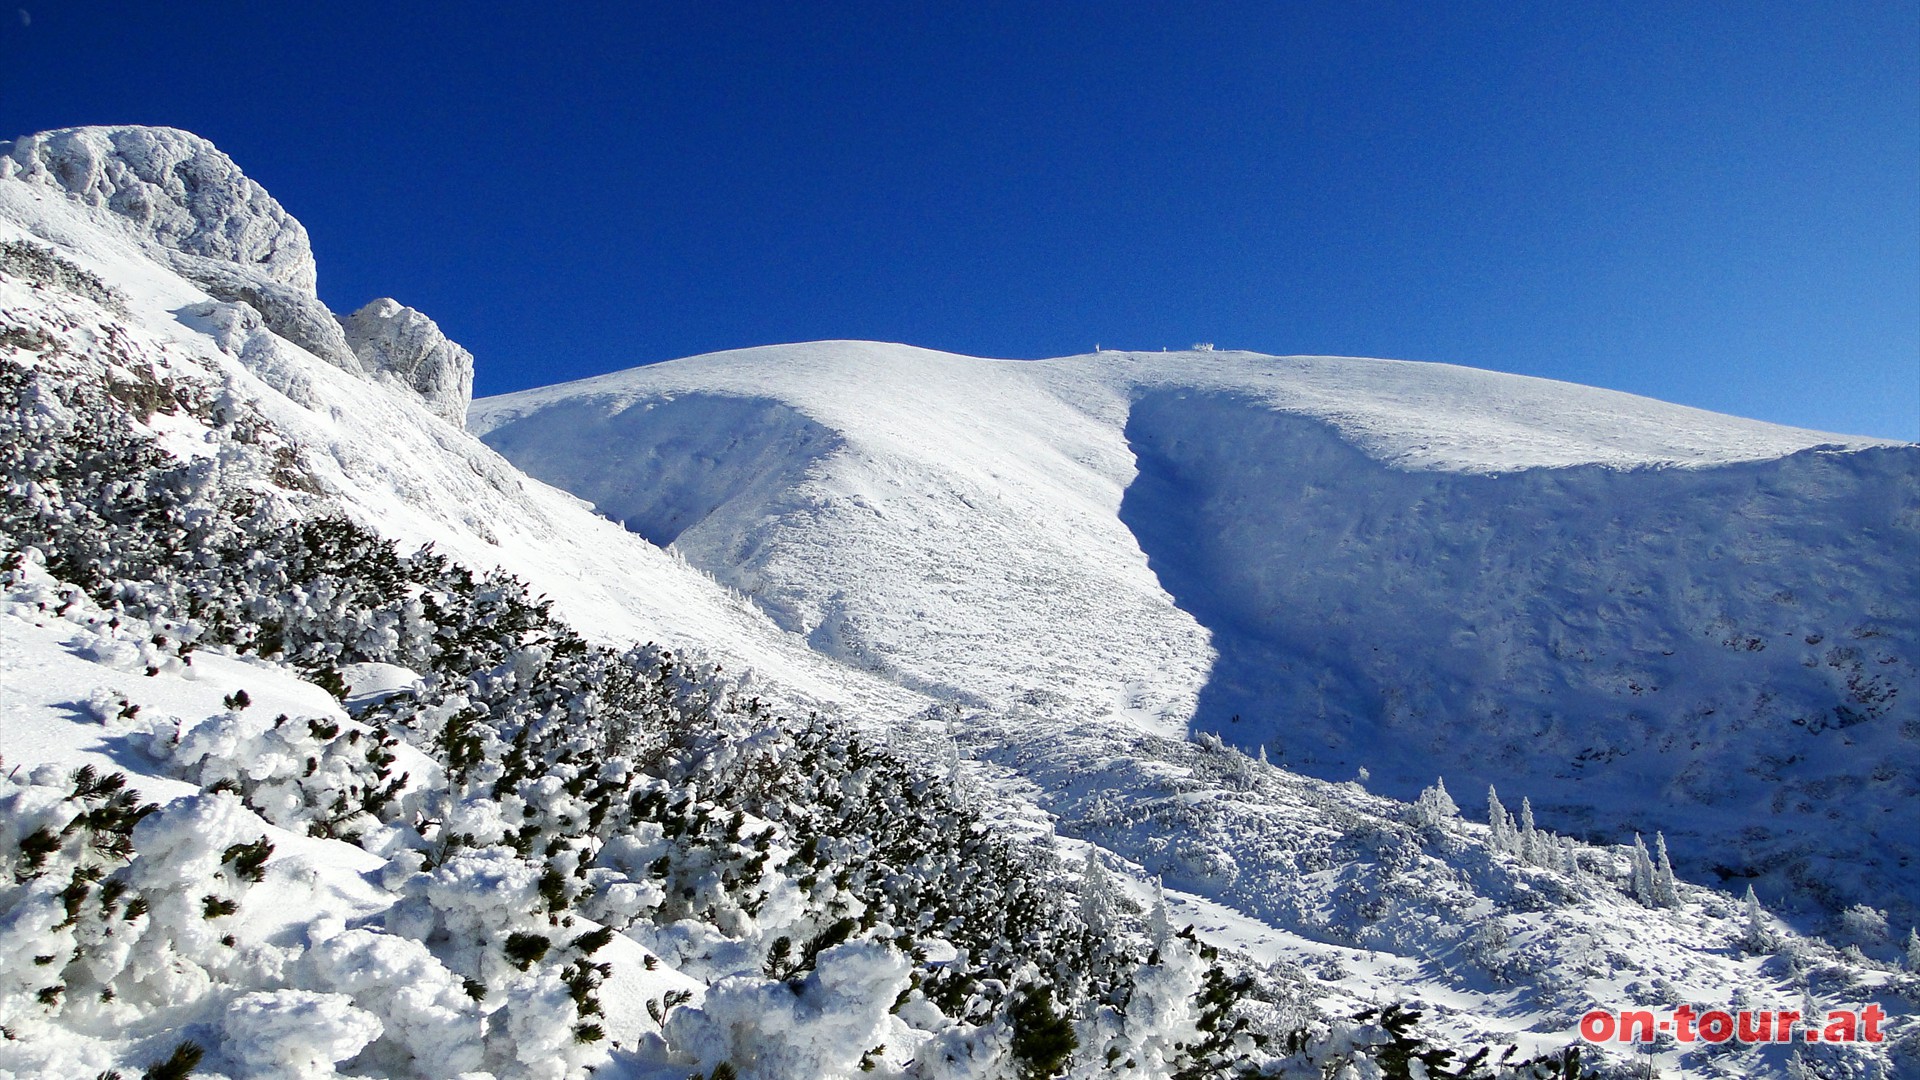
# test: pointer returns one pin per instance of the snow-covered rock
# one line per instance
(175, 188)
(398, 344)
(193, 207)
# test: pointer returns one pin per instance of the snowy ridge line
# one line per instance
(1429, 416)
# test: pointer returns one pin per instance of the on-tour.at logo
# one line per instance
(1743, 1025)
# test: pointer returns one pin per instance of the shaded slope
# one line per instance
(668, 471)
(1726, 653)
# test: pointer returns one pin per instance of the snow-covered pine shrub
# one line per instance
(431, 1025)
(296, 1033)
(198, 857)
(43, 268)
(480, 913)
(102, 503)
(820, 1025)
(114, 913)
(147, 534)
(308, 774)
(63, 841)
(1863, 926)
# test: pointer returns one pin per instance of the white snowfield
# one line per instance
(1076, 572)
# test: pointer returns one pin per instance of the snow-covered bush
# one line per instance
(431, 1025)
(296, 1033)
(1863, 926)
(42, 268)
(310, 775)
(820, 1025)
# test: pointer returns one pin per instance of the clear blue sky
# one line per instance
(1710, 203)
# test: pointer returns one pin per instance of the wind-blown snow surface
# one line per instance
(1641, 615)
(955, 551)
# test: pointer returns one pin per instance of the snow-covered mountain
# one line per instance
(1043, 587)
(1641, 616)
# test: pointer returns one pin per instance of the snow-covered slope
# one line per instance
(945, 522)
(384, 457)
(1021, 572)
(1640, 615)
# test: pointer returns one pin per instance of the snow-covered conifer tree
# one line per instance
(1158, 930)
(1435, 806)
(1664, 892)
(1499, 822)
(1759, 938)
(1642, 884)
(1096, 898)
(1160, 1016)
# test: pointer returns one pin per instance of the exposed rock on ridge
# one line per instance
(193, 209)
(177, 188)
(401, 345)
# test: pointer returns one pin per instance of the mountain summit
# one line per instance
(188, 204)
(173, 188)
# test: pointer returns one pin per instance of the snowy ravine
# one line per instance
(1021, 598)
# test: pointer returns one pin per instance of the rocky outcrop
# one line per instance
(175, 187)
(195, 210)
(401, 346)
(295, 316)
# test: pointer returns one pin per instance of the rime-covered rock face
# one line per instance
(194, 210)
(175, 187)
(397, 343)
(199, 213)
